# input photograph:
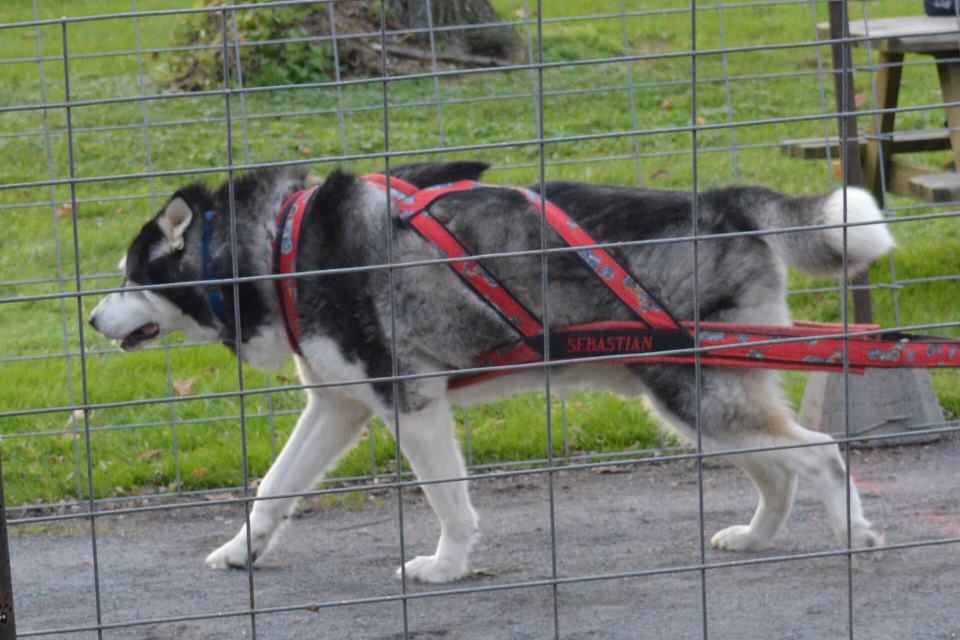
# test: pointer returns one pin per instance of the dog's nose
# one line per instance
(93, 321)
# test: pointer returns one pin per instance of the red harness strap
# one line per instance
(651, 339)
(655, 331)
(607, 269)
(285, 247)
(413, 202)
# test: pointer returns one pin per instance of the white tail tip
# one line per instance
(865, 242)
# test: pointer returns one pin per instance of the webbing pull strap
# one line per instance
(609, 338)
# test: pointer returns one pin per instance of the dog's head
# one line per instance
(164, 252)
(170, 249)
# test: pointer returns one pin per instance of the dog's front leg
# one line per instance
(329, 424)
(427, 440)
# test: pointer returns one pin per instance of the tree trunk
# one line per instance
(495, 41)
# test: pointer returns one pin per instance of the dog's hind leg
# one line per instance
(744, 410)
(817, 461)
(327, 428)
(823, 466)
(737, 410)
(427, 440)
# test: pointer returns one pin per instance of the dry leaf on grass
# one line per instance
(183, 386)
(215, 497)
(602, 471)
(64, 211)
(150, 454)
(76, 418)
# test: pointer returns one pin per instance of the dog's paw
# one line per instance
(232, 555)
(866, 536)
(737, 538)
(434, 570)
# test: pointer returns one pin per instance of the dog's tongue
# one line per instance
(144, 333)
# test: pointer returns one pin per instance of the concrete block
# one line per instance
(884, 401)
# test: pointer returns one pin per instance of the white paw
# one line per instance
(865, 536)
(432, 569)
(738, 538)
(233, 555)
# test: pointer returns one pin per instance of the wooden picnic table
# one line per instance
(892, 39)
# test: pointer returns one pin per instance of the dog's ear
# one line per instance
(174, 220)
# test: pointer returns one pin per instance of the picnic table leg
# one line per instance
(843, 92)
(850, 148)
(949, 71)
(879, 150)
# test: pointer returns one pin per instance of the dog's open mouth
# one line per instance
(144, 334)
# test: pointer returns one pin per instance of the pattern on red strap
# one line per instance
(413, 202)
(285, 247)
(736, 345)
(477, 276)
(610, 272)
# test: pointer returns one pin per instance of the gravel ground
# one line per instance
(151, 565)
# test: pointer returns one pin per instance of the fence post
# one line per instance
(8, 627)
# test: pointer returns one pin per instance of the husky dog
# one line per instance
(353, 329)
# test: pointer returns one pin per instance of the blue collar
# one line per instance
(214, 296)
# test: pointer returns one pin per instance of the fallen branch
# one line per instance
(455, 58)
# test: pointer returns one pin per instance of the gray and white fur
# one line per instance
(441, 325)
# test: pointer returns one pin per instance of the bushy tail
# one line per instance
(821, 251)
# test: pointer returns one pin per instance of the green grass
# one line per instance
(126, 462)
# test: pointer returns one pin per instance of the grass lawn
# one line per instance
(195, 444)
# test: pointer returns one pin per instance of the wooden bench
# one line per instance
(892, 39)
(902, 142)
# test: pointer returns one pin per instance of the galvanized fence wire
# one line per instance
(61, 279)
(80, 327)
(936, 105)
(238, 113)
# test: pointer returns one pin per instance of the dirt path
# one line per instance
(151, 565)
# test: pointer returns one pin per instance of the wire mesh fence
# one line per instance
(98, 131)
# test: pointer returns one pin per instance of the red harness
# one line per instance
(636, 341)
(285, 247)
